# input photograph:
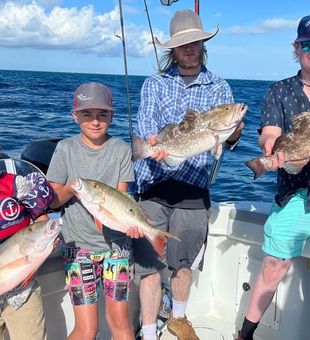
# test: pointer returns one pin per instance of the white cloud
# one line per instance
(267, 26)
(40, 2)
(79, 30)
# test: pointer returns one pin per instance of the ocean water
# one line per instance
(37, 105)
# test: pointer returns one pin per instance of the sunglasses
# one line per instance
(305, 46)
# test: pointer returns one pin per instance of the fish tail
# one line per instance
(159, 241)
(140, 148)
(257, 166)
(27, 280)
(168, 235)
(159, 244)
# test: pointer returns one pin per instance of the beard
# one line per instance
(189, 62)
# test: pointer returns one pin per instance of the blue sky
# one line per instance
(254, 41)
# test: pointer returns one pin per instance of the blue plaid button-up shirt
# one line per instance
(164, 100)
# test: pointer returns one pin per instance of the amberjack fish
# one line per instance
(295, 146)
(118, 211)
(24, 252)
(196, 133)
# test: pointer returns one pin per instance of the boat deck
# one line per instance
(219, 294)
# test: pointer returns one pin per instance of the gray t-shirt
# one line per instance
(110, 164)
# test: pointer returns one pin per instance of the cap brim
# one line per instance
(186, 38)
(99, 107)
(302, 39)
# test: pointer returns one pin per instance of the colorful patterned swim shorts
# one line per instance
(85, 270)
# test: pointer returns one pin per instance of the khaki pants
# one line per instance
(26, 323)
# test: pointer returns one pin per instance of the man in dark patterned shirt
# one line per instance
(288, 225)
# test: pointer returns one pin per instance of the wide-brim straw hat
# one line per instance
(185, 27)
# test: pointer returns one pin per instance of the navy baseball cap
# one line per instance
(92, 96)
(303, 30)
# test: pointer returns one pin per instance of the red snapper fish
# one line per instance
(118, 211)
(23, 253)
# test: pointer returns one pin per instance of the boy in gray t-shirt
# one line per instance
(91, 256)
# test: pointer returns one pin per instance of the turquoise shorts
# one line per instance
(287, 228)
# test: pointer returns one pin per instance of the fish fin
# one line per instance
(175, 130)
(107, 213)
(98, 225)
(186, 124)
(216, 152)
(173, 161)
(166, 234)
(190, 116)
(299, 119)
(128, 195)
(21, 261)
(165, 131)
(159, 244)
(256, 166)
(140, 148)
(292, 167)
(27, 280)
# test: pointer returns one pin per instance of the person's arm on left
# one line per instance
(36, 194)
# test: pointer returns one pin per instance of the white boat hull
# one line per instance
(220, 294)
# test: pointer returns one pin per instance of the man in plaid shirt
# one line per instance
(175, 198)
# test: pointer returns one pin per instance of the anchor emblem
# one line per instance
(9, 209)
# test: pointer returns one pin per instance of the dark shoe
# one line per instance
(181, 328)
(240, 337)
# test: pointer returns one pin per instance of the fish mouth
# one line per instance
(54, 226)
(243, 109)
(236, 119)
(77, 185)
(81, 192)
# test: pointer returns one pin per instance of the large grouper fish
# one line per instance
(294, 145)
(24, 252)
(196, 133)
(118, 211)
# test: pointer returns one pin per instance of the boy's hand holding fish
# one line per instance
(135, 232)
